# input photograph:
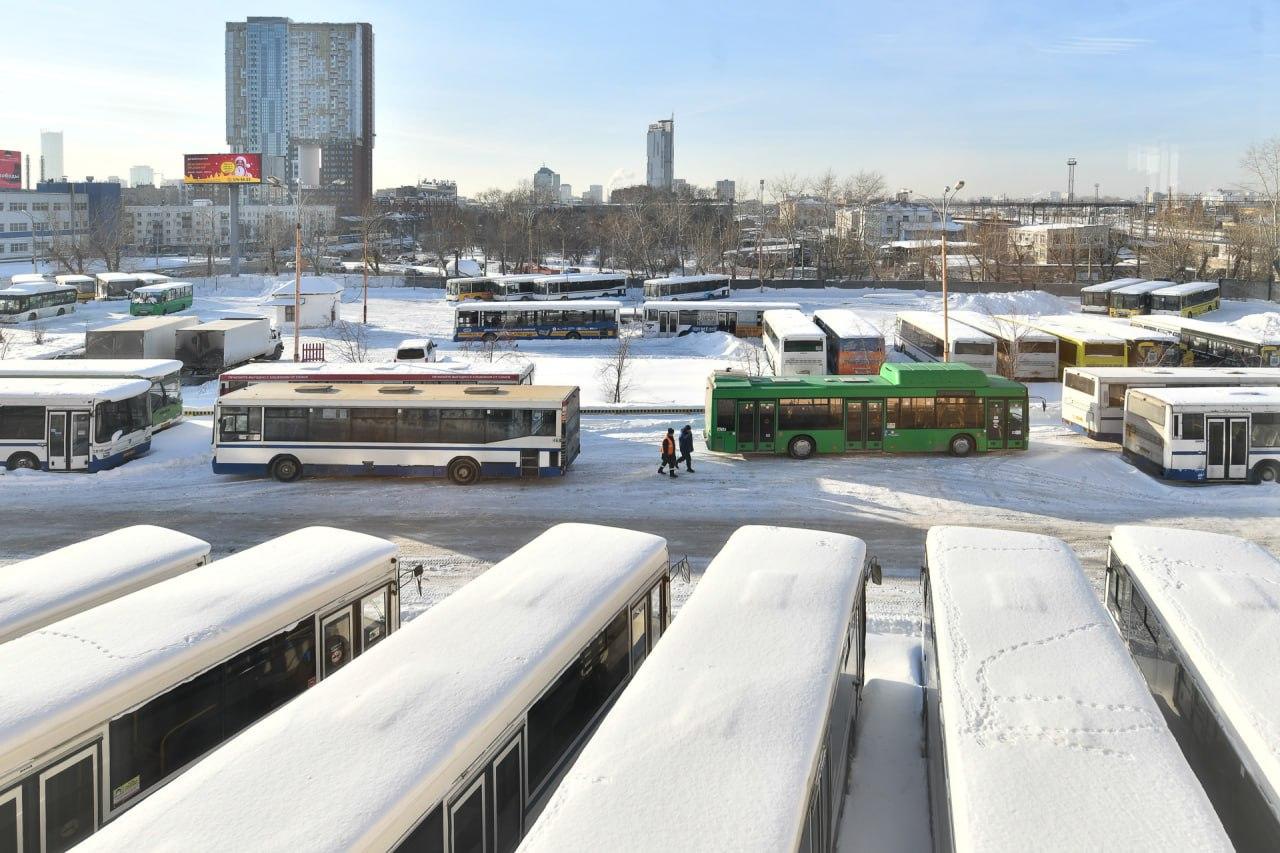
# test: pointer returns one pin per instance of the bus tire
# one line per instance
(490, 337)
(1265, 472)
(23, 462)
(31, 317)
(962, 445)
(62, 311)
(801, 447)
(464, 471)
(574, 336)
(286, 469)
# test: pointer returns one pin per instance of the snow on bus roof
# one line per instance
(718, 305)
(686, 279)
(713, 744)
(28, 288)
(395, 732)
(400, 394)
(44, 589)
(1187, 289)
(999, 328)
(1216, 395)
(1062, 327)
(72, 278)
(28, 278)
(1176, 325)
(930, 322)
(1261, 375)
(541, 305)
(581, 276)
(147, 368)
(19, 389)
(119, 276)
(846, 324)
(391, 369)
(64, 678)
(1114, 326)
(791, 322)
(1140, 287)
(1219, 596)
(1108, 286)
(1048, 724)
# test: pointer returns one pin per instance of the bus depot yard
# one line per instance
(1061, 484)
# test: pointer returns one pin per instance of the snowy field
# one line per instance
(1065, 485)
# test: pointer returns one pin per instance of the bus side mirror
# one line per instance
(877, 574)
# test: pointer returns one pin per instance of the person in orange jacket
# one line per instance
(668, 453)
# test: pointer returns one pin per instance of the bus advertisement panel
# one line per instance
(222, 168)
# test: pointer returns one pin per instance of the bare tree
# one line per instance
(353, 341)
(38, 332)
(615, 372)
(751, 359)
(6, 341)
(1261, 162)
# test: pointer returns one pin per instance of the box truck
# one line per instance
(212, 347)
(145, 337)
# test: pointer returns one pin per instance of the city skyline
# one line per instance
(1022, 89)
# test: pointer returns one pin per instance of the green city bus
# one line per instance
(907, 408)
(167, 298)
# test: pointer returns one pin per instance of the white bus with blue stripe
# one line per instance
(464, 432)
(1204, 434)
(73, 424)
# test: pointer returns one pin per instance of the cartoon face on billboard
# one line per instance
(222, 169)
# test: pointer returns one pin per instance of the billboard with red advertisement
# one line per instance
(222, 168)
(10, 170)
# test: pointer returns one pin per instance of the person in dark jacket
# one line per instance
(686, 448)
(668, 452)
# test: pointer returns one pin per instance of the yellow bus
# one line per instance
(1187, 300)
(1134, 298)
(1078, 346)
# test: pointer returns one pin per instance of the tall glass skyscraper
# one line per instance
(662, 154)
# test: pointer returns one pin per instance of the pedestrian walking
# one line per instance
(668, 452)
(686, 448)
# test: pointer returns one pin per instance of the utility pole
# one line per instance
(760, 240)
(297, 283)
(947, 195)
(365, 266)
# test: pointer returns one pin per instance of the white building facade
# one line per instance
(51, 215)
(151, 226)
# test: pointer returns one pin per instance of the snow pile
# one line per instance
(1266, 324)
(714, 743)
(1045, 709)
(1020, 302)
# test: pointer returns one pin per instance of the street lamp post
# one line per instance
(32, 217)
(947, 195)
(297, 265)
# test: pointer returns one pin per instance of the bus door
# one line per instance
(997, 423)
(768, 423)
(1228, 451)
(68, 441)
(727, 321)
(746, 425)
(757, 422)
(855, 412)
(668, 322)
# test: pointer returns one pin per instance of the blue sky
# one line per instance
(997, 93)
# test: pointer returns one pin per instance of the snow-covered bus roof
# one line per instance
(90, 368)
(1048, 725)
(1140, 287)
(717, 305)
(1108, 286)
(67, 677)
(1215, 396)
(1060, 327)
(714, 743)
(119, 276)
(52, 586)
(399, 394)
(931, 323)
(1000, 329)
(581, 276)
(573, 305)
(28, 278)
(151, 277)
(791, 323)
(380, 743)
(1113, 326)
(846, 324)
(393, 371)
(30, 288)
(72, 279)
(1217, 595)
(1176, 325)
(1182, 375)
(1187, 289)
(40, 391)
(685, 279)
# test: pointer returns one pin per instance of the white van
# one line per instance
(416, 351)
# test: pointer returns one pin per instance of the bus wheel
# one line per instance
(1266, 472)
(574, 336)
(286, 469)
(22, 461)
(61, 311)
(962, 445)
(801, 447)
(31, 316)
(490, 337)
(464, 471)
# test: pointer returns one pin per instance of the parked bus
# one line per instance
(579, 286)
(161, 298)
(1096, 298)
(514, 321)
(464, 432)
(453, 733)
(164, 375)
(73, 424)
(85, 285)
(793, 343)
(907, 408)
(23, 303)
(1187, 300)
(746, 711)
(743, 319)
(150, 278)
(375, 373)
(1219, 344)
(1133, 298)
(104, 707)
(1143, 347)
(516, 287)
(1093, 398)
(29, 278)
(682, 288)
(1199, 615)
(1022, 352)
(1204, 434)
(855, 346)
(465, 288)
(921, 333)
(1079, 346)
(1036, 722)
(118, 285)
(44, 589)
